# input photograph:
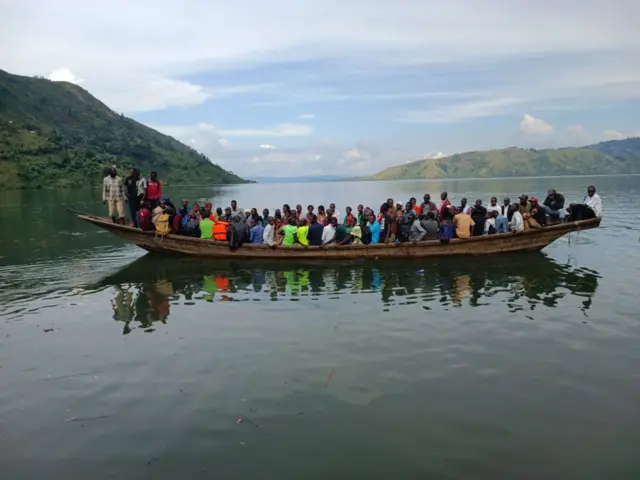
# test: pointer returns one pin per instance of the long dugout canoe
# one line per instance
(528, 240)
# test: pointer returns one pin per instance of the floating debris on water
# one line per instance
(331, 375)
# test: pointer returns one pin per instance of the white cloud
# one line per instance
(531, 125)
(615, 135)
(306, 116)
(434, 156)
(281, 130)
(267, 146)
(64, 75)
(109, 46)
(459, 112)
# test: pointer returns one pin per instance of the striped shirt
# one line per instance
(113, 188)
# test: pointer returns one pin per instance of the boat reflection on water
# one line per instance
(146, 290)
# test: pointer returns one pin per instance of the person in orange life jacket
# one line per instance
(220, 230)
(154, 190)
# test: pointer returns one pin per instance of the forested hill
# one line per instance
(56, 133)
(605, 158)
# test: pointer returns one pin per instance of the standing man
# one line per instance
(464, 208)
(113, 195)
(505, 208)
(445, 203)
(237, 212)
(154, 190)
(428, 206)
(131, 190)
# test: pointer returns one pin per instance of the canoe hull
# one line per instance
(529, 240)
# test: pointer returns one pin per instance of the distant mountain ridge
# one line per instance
(57, 134)
(611, 157)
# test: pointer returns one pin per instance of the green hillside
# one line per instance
(614, 157)
(56, 133)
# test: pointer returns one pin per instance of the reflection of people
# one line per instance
(122, 304)
(449, 281)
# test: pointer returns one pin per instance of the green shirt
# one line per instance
(341, 233)
(302, 235)
(289, 234)
(206, 228)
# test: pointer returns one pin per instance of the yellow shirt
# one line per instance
(302, 235)
(463, 223)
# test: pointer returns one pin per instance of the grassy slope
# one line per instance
(614, 157)
(56, 133)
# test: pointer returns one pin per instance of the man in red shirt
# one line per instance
(445, 204)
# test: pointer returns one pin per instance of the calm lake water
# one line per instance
(116, 364)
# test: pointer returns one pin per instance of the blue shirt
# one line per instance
(375, 233)
(315, 234)
(257, 234)
(502, 225)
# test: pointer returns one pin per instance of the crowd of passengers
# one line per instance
(319, 226)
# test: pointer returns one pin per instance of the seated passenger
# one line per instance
(431, 226)
(221, 231)
(590, 208)
(289, 231)
(374, 228)
(256, 235)
(238, 232)
(517, 222)
(269, 234)
(553, 205)
(416, 232)
(342, 236)
(315, 232)
(206, 228)
(144, 217)
(502, 224)
(478, 215)
(192, 229)
(329, 232)
(227, 215)
(463, 223)
(355, 232)
(302, 234)
(538, 213)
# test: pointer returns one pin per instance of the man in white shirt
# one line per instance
(269, 234)
(490, 222)
(593, 201)
(591, 207)
(328, 233)
(517, 222)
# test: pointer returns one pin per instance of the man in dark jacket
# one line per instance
(238, 233)
(553, 205)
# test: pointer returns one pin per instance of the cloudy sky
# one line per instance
(293, 87)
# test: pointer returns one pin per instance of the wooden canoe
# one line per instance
(528, 240)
